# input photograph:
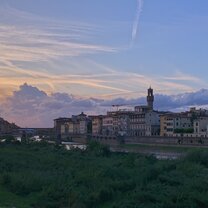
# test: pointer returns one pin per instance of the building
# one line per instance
(197, 112)
(97, 122)
(144, 122)
(176, 124)
(77, 124)
(201, 127)
(152, 123)
(107, 125)
(121, 122)
(73, 126)
(83, 121)
(60, 124)
(150, 98)
(142, 109)
(137, 123)
(192, 123)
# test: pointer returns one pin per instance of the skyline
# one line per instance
(32, 107)
(101, 50)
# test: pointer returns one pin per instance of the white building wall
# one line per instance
(201, 126)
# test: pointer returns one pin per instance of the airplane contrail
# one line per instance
(136, 21)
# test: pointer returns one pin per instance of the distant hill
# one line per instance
(6, 127)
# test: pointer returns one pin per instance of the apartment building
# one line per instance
(116, 123)
(137, 123)
(201, 127)
(97, 122)
(152, 123)
(107, 125)
(176, 124)
(144, 122)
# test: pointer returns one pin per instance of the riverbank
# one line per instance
(160, 151)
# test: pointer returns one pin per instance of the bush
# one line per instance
(41, 175)
(98, 149)
(198, 156)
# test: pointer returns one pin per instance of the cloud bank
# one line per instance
(31, 107)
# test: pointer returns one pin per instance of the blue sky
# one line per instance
(85, 48)
(70, 52)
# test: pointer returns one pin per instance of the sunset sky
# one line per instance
(102, 49)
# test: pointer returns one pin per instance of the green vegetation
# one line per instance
(184, 131)
(43, 175)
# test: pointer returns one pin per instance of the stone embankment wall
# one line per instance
(143, 140)
(168, 140)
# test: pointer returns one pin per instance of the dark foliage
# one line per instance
(43, 175)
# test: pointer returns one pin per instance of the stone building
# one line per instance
(145, 123)
(150, 98)
(77, 124)
(137, 123)
(60, 125)
(152, 123)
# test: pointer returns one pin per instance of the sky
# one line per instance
(107, 50)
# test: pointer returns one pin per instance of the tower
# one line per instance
(150, 98)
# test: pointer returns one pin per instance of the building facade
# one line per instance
(107, 125)
(97, 122)
(201, 127)
(77, 124)
(176, 124)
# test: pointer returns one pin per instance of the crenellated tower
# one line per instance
(150, 98)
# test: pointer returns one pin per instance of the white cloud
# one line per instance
(180, 76)
(26, 37)
(22, 43)
(104, 82)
